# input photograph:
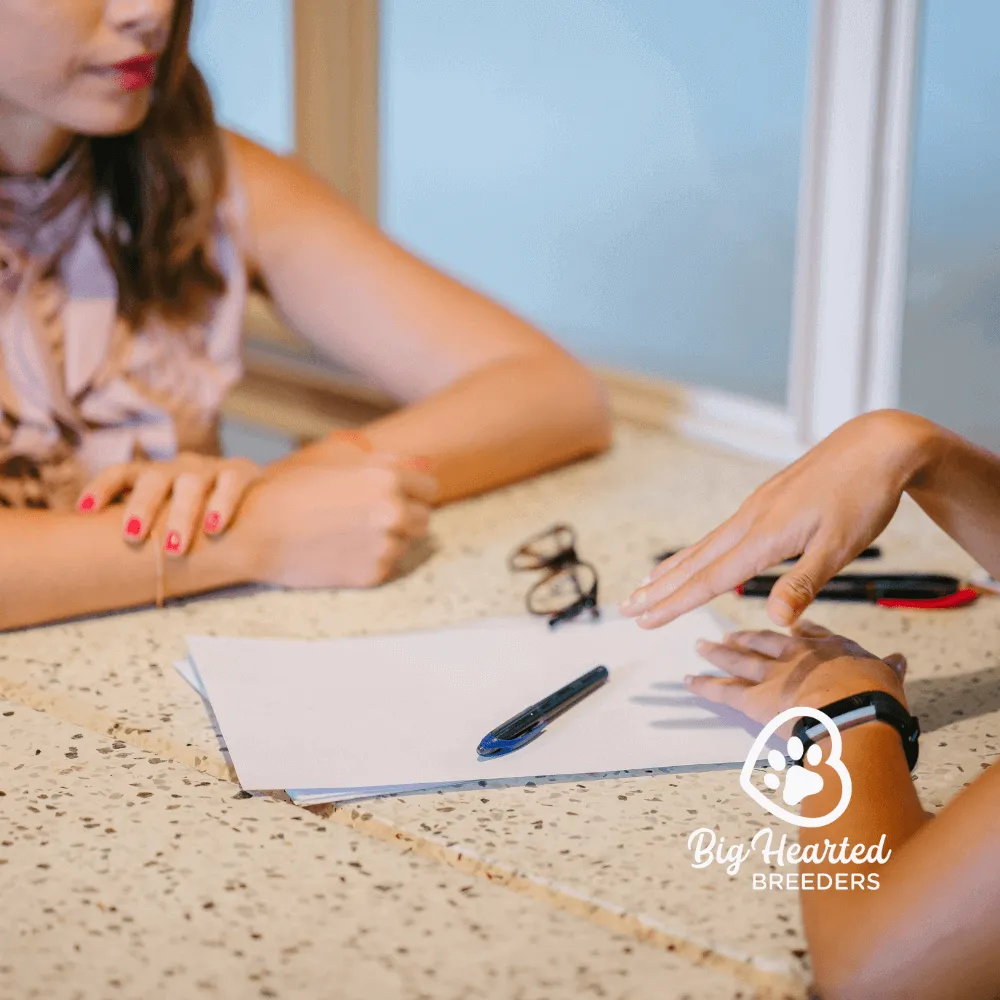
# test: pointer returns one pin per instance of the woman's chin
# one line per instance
(119, 116)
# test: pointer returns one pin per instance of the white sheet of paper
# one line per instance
(187, 670)
(304, 796)
(376, 713)
(318, 796)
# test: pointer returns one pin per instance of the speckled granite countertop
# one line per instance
(545, 889)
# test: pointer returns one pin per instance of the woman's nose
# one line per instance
(149, 20)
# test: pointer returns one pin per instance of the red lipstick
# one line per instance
(136, 74)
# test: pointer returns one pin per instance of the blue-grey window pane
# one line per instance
(951, 332)
(625, 173)
(244, 50)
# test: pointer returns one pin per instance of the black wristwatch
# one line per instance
(860, 708)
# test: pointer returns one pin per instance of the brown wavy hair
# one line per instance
(164, 182)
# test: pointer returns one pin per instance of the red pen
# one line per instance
(890, 590)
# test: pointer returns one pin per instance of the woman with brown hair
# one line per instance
(131, 227)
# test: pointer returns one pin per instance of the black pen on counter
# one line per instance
(872, 552)
(525, 726)
(890, 590)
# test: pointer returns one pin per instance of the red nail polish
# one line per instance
(173, 542)
(212, 521)
(133, 527)
(87, 502)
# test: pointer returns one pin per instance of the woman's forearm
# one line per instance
(958, 485)
(929, 931)
(506, 421)
(57, 565)
(842, 925)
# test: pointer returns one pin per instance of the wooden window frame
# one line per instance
(336, 73)
(850, 262)
(336, 87)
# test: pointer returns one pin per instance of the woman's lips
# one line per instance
(136, 74)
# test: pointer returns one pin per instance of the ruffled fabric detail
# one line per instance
(79, 388)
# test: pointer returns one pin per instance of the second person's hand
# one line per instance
(769, 672)
(826, 507)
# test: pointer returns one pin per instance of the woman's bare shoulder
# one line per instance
(282, 195)
(249, 156)
(273, 180)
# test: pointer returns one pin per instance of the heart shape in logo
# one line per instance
(833, 760)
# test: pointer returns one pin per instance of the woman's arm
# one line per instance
(489, 398)
(931, 930)
(312, 526)
(827, 507)
(58, 565)
(958, 486)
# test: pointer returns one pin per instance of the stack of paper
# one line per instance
(346, 718)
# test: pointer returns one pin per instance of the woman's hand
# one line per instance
(825, 508)
(770, 672)
(329, 526)
(201, 491)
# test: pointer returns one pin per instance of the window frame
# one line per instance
(854, 213)
(852, 227)
(336, 125)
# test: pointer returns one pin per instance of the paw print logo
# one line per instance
(798, 782)
(795, 782)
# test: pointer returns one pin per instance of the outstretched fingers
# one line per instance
(673, 572)
(689, 587)
(729, 691)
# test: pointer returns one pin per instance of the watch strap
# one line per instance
(868, 706)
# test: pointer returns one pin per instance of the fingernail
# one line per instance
(687, 680)
(784, 611)
(133, 526)
(173, 542)
(647, 580)
(87, 502)
(212, 521)
(634, 602)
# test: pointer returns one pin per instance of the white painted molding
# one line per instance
(736, 423)
(851, 252)
(895, 168)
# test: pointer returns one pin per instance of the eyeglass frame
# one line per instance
(565, 559)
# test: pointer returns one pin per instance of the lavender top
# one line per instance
(80, 388)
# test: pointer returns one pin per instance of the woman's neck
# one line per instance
(30, 144)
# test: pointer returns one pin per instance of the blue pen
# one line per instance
(526, 725)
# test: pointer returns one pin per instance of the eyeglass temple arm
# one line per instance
(577, 608)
